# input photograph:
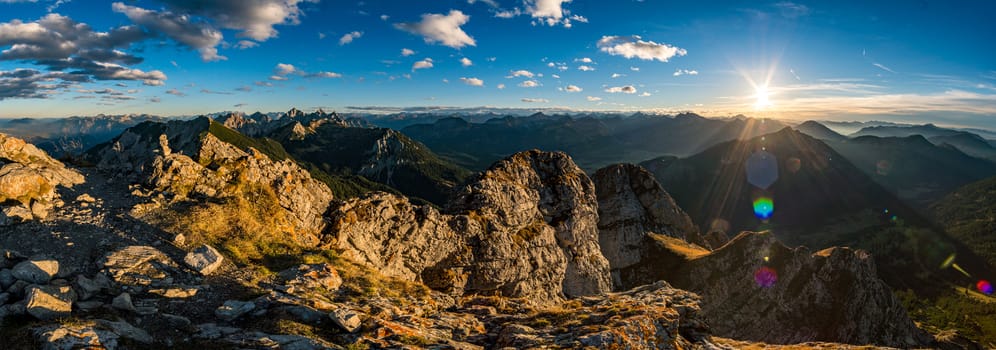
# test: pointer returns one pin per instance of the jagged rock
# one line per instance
(36, 271)
(123, 302)
(347, 319)
(321, 277)
(233, 309)
(85, 198)
(755, 288)
(716, 239)
(139, 266)
(193, 161)
(4, 297)
(126, 330)
(205, 259)
(48, 302)
(18, 288)
(29, 176)
(75, 336)
(176, 321)
(524, 227)
(631, 204)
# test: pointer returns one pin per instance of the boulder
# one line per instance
(28, 176)
(233, 309)
(204, 259)
(123, 302)
(6, 278)
(36, 271)
(138, 265)
(75, 336)
(47, 302)
(346, 319)
(320, 277)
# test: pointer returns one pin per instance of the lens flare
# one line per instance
(984, 286)
(762, 169)
(883, 167)
(765, 277)
(764, 207)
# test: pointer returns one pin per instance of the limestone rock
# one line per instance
(755, 288)
(47, 302)
(123, 302)
(346, 319)
(192, 161)
(526, 227)
(204, 259)
(6, 278)
(75, 336)
(126, 330)
(631, 204)
(321, 277)
(233, 309)
(36, 271)
(139, 266)
(88, 288)
(29, 176)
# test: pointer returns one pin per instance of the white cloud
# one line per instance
(423, 64)
(529, 84)
(634, 46)
(549, 12)
(584, 60)
(472, 81)
(278, 77)
(349, 37)
(175, 92)
(442, 29)
(535, 100)
(555, 76)
(628, 89)
(246, 44)
(254, 18)
(586, 68)
(407, 52)
(501, 86)
(645, 94)
(197, 35)
(284, 69)
(466, 62)
(325, 75)
(635, 69)
(680, 72)
(593, 98)
(617, 75)
(883, 67)
(491, 3)
(521, 73)
(384, 17)
(572, 88)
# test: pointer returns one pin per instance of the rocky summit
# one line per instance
(190, 234)
(28, 181)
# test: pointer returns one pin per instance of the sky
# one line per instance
(907, 61)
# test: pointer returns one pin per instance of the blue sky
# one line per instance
(912, 61)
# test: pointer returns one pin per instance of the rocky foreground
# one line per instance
(177, 238)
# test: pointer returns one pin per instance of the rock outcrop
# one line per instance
(28, 180)
(755, 288)
(631, 205)
(199, 158)
(526, 227)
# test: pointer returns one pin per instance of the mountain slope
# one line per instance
(971, 144)
(820, 199)
(913, 168)
(381, 155)
(819, 131)
(594, 141)
(969, 214)
(925, 130)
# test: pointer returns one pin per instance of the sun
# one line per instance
(762, 97)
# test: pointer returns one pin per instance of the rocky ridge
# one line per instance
(502, 259)
(187, 159)
(524, 228)
(28, 181)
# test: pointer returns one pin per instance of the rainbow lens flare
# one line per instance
(765, 277)
(984, 286)
(764, 207)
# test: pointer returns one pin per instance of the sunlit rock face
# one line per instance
(28, 181)
(756, 288)
(631, 205)
(526, 227)
(198, 159)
